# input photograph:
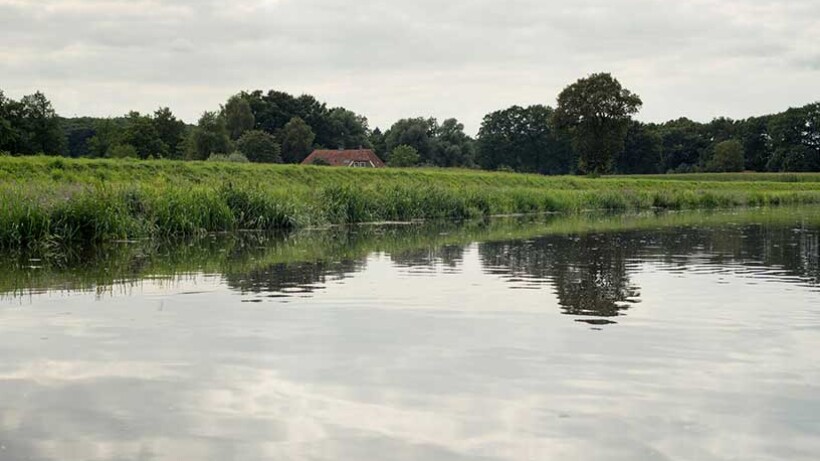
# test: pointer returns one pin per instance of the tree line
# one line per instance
(591, 130)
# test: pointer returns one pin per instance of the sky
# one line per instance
(390, 59)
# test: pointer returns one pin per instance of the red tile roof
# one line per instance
(344, 157)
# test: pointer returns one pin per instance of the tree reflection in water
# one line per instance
(591, 272)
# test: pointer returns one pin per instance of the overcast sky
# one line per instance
(393, 59)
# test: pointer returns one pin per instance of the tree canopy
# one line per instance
(590, 131)
(596, 111)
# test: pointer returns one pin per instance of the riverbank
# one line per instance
(46, 200)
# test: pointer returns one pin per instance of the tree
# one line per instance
(795, 138)
(141, 134)
(349, 130)
(259, 146)
(9, 124)
(728, 156)
(522, 139)
(209, 137)
(642, 152)
(297, 140)
(238, 116)
(107, 134)
(596, 111)
(684, 144)
(404, 156)
(378, 142)
(39, 128)
(452, 147)
(171, 131)
(754, 135)
(418, 133)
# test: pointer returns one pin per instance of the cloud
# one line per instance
(391, 59)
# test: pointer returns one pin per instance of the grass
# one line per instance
(237, 255)
(51, 201)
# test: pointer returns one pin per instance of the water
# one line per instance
(672, 337)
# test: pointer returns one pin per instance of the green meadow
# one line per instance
(49, 201)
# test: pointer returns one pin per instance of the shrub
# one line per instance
(259, 146)
(235, 157)
(404, 156)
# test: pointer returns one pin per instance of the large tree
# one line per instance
(171, 131)
(350, 131)
(596, 111)
(522, 138)
(209, 137)
(418, 133)
(238, 116)
(9, 131)
(141, 134)
(297, 140)
(40, 130)
(453, 148)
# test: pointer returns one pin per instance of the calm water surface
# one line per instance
(676, 337)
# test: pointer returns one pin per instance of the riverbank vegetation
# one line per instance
(311, 254)
(573, 137)
(46, 200)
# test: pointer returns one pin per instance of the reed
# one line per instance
(46, 201)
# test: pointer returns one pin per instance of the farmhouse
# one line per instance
(356, 158)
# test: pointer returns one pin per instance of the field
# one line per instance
(45, 200)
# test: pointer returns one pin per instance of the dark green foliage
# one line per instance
(297, 140)
(728, 157)
(238, 116)
(404, 156)
(377, 141)
(452, 147)
(596, 134)
(595, 111)
(171, 131)
(332, 128)
(78, 132)
(141, 134)
(259, 146)
(350, 131)
(684, 144)
(209, 137)
(418, 133)
(522, 139)
(30, 126)
(643, 148)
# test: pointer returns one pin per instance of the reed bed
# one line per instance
(55, 200)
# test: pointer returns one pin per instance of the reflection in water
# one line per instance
(589, 270)
(427, 342)
(589, 273)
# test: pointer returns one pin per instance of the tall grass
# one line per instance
(53, 201)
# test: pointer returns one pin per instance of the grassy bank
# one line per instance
(57, 200)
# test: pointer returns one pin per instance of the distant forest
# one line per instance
(591, 130)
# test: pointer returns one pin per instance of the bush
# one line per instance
(123, 151)
(404, 156)
(235, 157)
(259, 146)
